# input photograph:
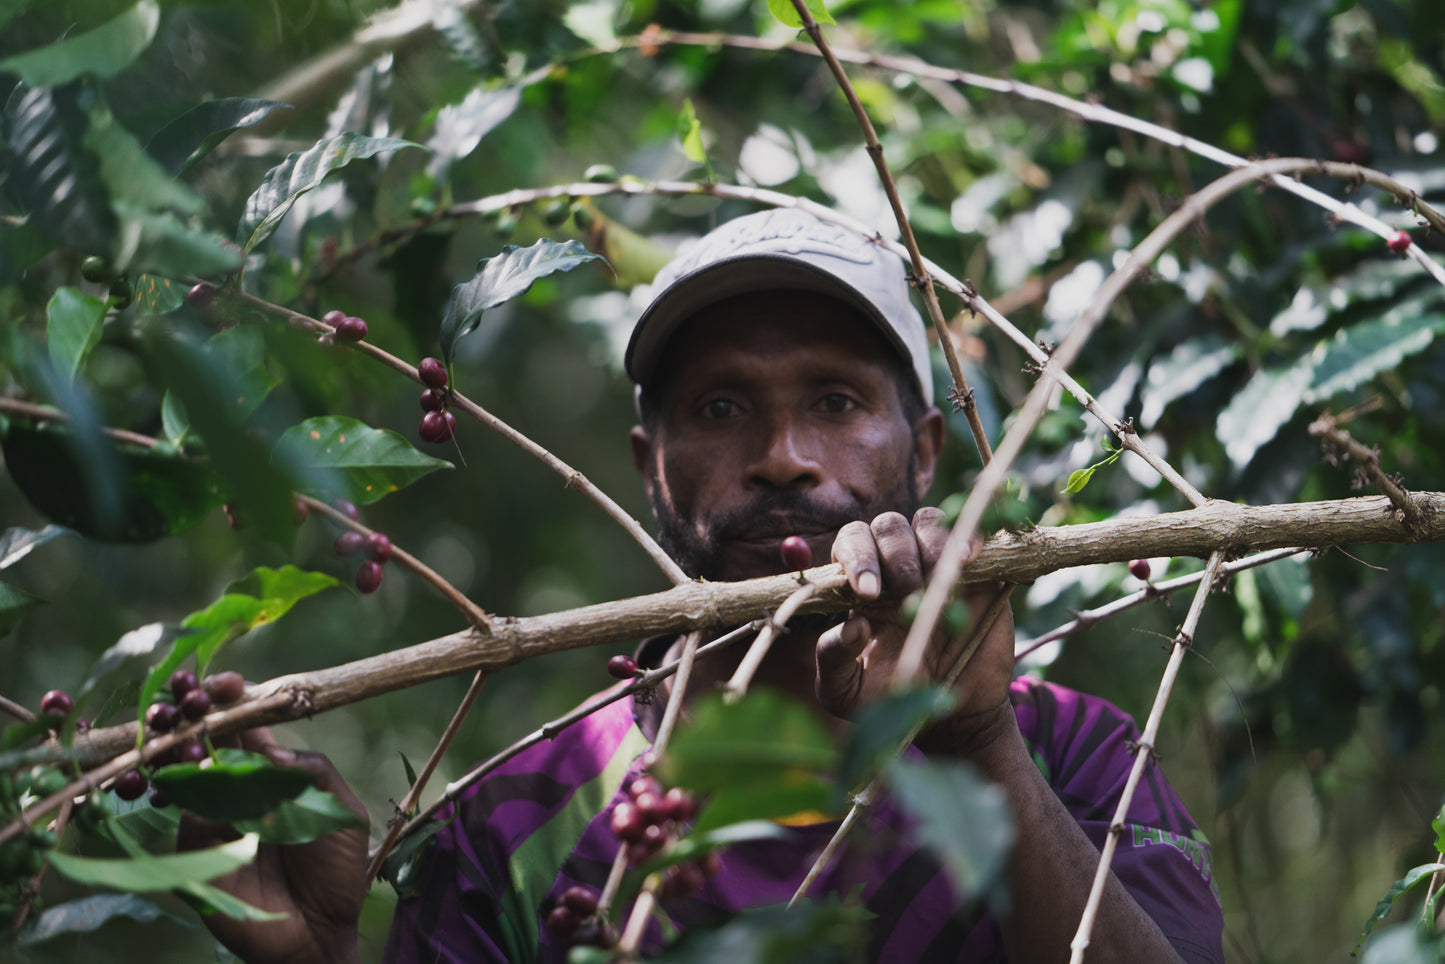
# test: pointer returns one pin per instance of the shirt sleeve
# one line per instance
(455, 915)
(1085, 748)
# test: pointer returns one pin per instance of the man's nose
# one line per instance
(783, 456)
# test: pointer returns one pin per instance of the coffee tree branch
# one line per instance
(1017, 557)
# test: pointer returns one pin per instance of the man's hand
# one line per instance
(885, 561)
(319, 885)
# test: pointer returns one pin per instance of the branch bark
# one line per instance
(1016, 557)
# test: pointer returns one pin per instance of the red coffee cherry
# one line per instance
(163, 717)
(1139, 569)
(378, 547)
(580, 900)
(562, 922)
(351, 328)
(349, 543)
(347, 508)
(200, 296)
(191, 751)
(333, 317)
(679, 804)
(225, 688)
(1399, 242)
(644, 784)
(158, 799)
(437, 427)
(56, 703)
(182, 682)
(433, 400)
(368, 577)
(432, 372)
(627, 823)
(796, 553)
(196, 704)
(131, 785)
(622, 666)
(300, 511)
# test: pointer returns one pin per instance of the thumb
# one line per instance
(840, 675)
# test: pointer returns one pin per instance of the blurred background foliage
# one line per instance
(1306, 734)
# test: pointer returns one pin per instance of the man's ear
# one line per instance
(928, 434)
(641, 441)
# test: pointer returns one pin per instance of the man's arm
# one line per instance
(319, 885)
(1053, 862)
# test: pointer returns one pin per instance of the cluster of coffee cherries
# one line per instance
(344, 327)
(575, 919)
(191, 699)
(437, 424)
(376, 547)
(647, 820)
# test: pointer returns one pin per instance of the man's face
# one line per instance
(779, 414)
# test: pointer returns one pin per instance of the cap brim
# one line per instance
(725, 279)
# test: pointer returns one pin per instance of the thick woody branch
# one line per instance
(1009, 557)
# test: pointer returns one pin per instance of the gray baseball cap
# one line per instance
(783, 248)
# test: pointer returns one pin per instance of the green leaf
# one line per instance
(129, 173)
(194, 134)
(1189, 365)
(102, 52)
(812, 932)
(132, 651)
(1399, 889)
(461, 127)
(784, 11)
(155, 295)
(880, 728)
(689, 133)
(234, 785)
(1360, 352)
(50, 174)
(86, 914)
(1078, 479)
(595, 21)
(301, 172)
(502, 278)
(14, 604)
(141, 874)
(310, 816)
(402, 867)
(263, 597)
(213, 388)
(203, 897)
(155, 494)
(410, 770)
(1256, 413)
(166, 246)
(72, 329)
(973, 851)
(16, 543)
(759, 758)
(367, 463)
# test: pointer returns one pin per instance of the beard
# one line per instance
(701, 554)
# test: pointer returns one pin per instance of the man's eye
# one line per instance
(719, 408)
(835, 403)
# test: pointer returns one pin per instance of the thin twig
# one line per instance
(44, 413)
(21, 713)
(574, 479)
(474, 613)
(961, 392)
(1155, 590)
(737, 687)
(866, 797)
(956, 548)
(1144, 753)
(413, 795)
(549, 731)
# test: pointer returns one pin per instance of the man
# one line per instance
(784, 386)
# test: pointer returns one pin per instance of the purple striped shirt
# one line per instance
(541, 823)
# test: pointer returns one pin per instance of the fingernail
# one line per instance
(868, 584)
